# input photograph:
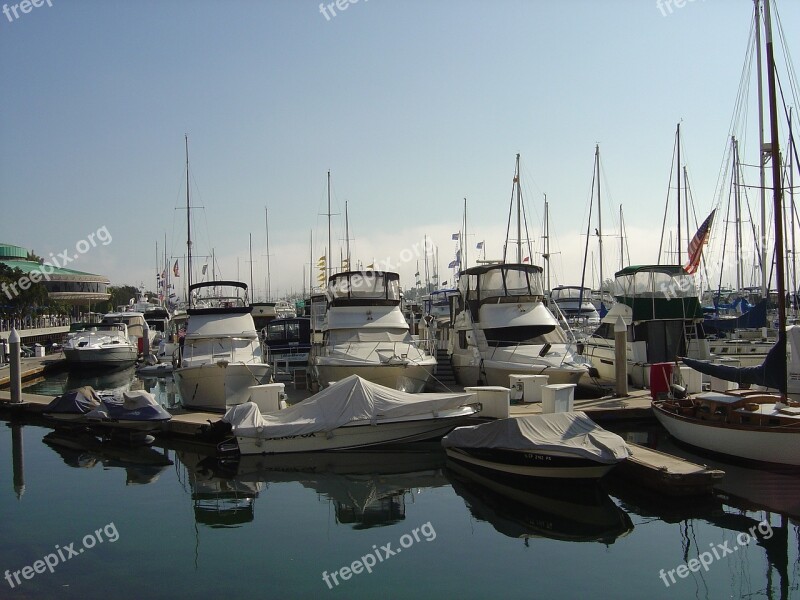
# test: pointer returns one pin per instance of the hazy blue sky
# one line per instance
(413, 105)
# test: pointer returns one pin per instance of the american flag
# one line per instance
(696, 245)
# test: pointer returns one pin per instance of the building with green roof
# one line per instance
(63, 285)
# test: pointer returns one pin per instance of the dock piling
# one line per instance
(14, 366)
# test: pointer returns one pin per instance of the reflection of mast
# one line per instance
(17, 459)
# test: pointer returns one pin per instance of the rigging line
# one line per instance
(724, 243)
(786, 56)
(786, 113)
(666, 207)
(510, 208)
(589, 228)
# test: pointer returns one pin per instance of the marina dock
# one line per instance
(660, 472)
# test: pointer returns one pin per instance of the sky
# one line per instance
(412, 105)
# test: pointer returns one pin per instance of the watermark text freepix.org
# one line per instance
(369, 560)
(62, 554)
(24, 7)
(56, 261)
(705, 559)
(342, 5)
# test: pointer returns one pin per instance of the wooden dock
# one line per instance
(663, 473)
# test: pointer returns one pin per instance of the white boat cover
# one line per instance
(351, 399)
(571, 432)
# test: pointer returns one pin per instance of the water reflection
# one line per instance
(526, 507)
(82, 450)
(17, 458)
(366, 488)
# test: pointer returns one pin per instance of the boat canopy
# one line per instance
(570, 432)
(497, 282)
(364, 287)
(658, 292)
(571, 292)
(350, 400)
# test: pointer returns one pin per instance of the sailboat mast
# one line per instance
(519, 215)
(311, 262)
(761, 153)
(777, 200)
(737, 213)
(678, 138)
(463, 241)
(547, 239)
(791, 210)
(266, 225)
(188, 224)
(328, 252)
(621, 240)
(347, 235)
(599, 214)
(252, 289)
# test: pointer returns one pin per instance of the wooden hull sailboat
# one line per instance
(756, 426)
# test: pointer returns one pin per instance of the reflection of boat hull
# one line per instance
(410, 378)
(530, 463)
(215, 386)
(769, 444)
(568, 510)
(409, 429)
(117, 356)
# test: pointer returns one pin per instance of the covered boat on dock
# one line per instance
(566, 445)
(351, 413)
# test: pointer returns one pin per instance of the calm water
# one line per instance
(266, 527)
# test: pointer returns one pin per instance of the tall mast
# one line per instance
(678, 245)
(791, 211)
(252, 289)
(762, 153)
(547, 239)
(188, 224)
(311, 262)
(347, 235)
(427, 278)
(166, 269)
(777, 199)
(599, 214)
(737, 212)
(519, 215)
(328, 252)
(465, 264)
(266, 224)
(621, 240)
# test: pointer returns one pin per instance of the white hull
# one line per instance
(764, 444)
(111, 356)
(214, 387)
(591, 471)
(361, 435)
(410, 378)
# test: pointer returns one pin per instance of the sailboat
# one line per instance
(502, 326)
(221, 354)
(754, 426)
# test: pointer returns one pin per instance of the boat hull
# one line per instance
(214, 386)
(101, 357)
(531, 463)
(358, 436)
(496, 372)
(762, 444)
(410, 378)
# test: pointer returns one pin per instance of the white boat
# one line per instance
(756, 427)
(221, 356)
(502, 327)
(111, 343)
(575, 304)
(352, 413)
(660, 307)
(364, 333)
(566, 445)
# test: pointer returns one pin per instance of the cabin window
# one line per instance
(293, 332)
(276, 331)
(462, 339)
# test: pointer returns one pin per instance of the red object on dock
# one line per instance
(660, 379)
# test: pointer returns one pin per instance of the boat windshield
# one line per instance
(561, 294)
(501, 281)
(364, 285)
